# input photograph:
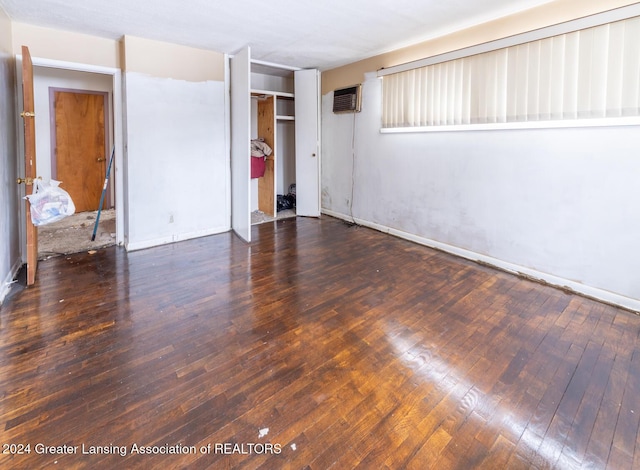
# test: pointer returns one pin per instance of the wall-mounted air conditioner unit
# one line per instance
(347, 100)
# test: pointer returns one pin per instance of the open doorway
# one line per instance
(74, 138)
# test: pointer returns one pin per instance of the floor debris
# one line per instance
(73, 235)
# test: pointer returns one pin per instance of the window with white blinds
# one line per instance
(590, 73)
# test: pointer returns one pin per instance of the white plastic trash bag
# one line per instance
(49, 203)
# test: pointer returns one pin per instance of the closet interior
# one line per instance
(273, 158)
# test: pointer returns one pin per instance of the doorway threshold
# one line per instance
(259, 217)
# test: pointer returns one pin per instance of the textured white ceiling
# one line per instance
(303, 33)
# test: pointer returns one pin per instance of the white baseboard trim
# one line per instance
(9, 280)
(545, 278)
(141, 245)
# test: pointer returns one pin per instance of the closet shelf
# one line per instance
(278, 94)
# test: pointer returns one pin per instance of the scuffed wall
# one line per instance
(556, 204)
(176, 160)
(177, 165)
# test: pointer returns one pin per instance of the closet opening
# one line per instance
(273, 158)
(264, 106)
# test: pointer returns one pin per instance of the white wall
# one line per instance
(177, 167)
(557, 204)
(9, 202)
(286, 170)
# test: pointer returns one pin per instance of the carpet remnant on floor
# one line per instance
(73, 234)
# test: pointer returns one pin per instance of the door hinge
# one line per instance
(26, 114)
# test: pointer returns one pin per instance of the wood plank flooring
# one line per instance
(319, 345)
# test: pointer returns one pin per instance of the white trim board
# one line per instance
(519, 125)
(545, 278)
(62, 64)
(175, 238)
(227, 136)
(274, 65)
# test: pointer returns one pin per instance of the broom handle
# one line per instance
(104, 190)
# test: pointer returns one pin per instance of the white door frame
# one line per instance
(240, 84)
(308, 161)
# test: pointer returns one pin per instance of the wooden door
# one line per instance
(28, 116)
(307, 108)
(240, 71)
(80, 150)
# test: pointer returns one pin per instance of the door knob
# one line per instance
(27, 180)
(100, 159)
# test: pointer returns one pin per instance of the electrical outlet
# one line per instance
(170, 218)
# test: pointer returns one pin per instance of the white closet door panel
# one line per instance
(307, 112)
(240, 75)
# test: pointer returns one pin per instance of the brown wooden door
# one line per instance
(28, 116)
(80, 150)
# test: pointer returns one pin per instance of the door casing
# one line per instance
(119, 165)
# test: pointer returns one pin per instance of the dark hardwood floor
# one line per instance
(319, 345)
